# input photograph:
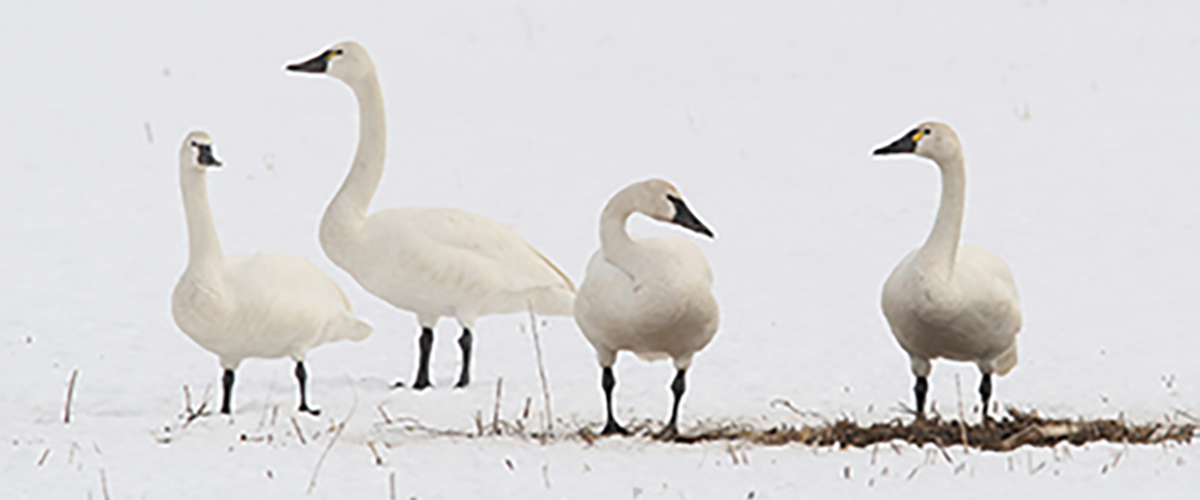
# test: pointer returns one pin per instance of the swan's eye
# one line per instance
(194, 144)
(338, 52)
(927, 132)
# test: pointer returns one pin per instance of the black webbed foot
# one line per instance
(612, 427)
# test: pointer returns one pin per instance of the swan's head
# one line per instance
(933, 140)
(660, 200)
(196, 152)
(346, 61)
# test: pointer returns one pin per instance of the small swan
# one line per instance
(250, 306)
(944, 300)
(432, 261)
(651, 296)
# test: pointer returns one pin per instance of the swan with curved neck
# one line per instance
(432, 261)
(650, 296)
(945, 300)
(250, 306)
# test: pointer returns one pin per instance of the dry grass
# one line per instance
(1016, 429)
(1013, 431)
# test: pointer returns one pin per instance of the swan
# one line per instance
(949, 301)
(250, 306)
(650, 296)
(434, 262)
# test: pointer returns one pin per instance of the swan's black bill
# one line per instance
(686, 218)
(906, 144)
(315, 65)
(206, 157)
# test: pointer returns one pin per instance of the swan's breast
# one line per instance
(663, 303)
(972, 314)
(199, 305)
(273, 305)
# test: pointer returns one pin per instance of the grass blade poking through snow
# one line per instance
(537, 346)
(70, 394)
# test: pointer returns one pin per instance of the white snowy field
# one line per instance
(1079, 121)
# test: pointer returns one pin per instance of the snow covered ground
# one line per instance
(1079, 121)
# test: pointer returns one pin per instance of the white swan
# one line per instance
(651, 296)
(432, 261)
(250, 306)
(944, 300)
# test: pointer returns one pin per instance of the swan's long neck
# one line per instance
(941, 248)
(614, 240)
(348, 211)
(204, 249)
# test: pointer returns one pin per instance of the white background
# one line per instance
(1079, 122)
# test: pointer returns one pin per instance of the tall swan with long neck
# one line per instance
(650, 296)
(945, 300)
(432, 261)
(250, 306)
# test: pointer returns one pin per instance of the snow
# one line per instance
(1077, 119)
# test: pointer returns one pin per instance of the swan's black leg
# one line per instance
(426, 344)
(677, 388)
(985, 391)
(920, 389)
(465, 342)
(227, 384)
(302, 377)
(607, 381)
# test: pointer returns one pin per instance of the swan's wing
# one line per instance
(440, 261)
(280, 277)
(989, 288)
(278, 286)
(459, 236)
(657, 307)
(991, 269)
(282, 304)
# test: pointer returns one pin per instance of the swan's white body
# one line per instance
(973, 316)
(264, 305)
(432, 261)
(651, 296)
(251, 306)
(945, 300)
(447, 262)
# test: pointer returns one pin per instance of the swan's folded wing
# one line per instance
(283, 284)
(453, 257)
(993, 296)
(474, 237)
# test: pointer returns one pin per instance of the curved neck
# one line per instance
(615, 242)
(348, 210)
(204, 249)
(941, 248)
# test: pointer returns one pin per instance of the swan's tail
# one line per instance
(1005, 362)
(566, 279)
(346, 326)
(552, 300)
(652, 356)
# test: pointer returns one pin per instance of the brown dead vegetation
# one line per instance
(1016, 429)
